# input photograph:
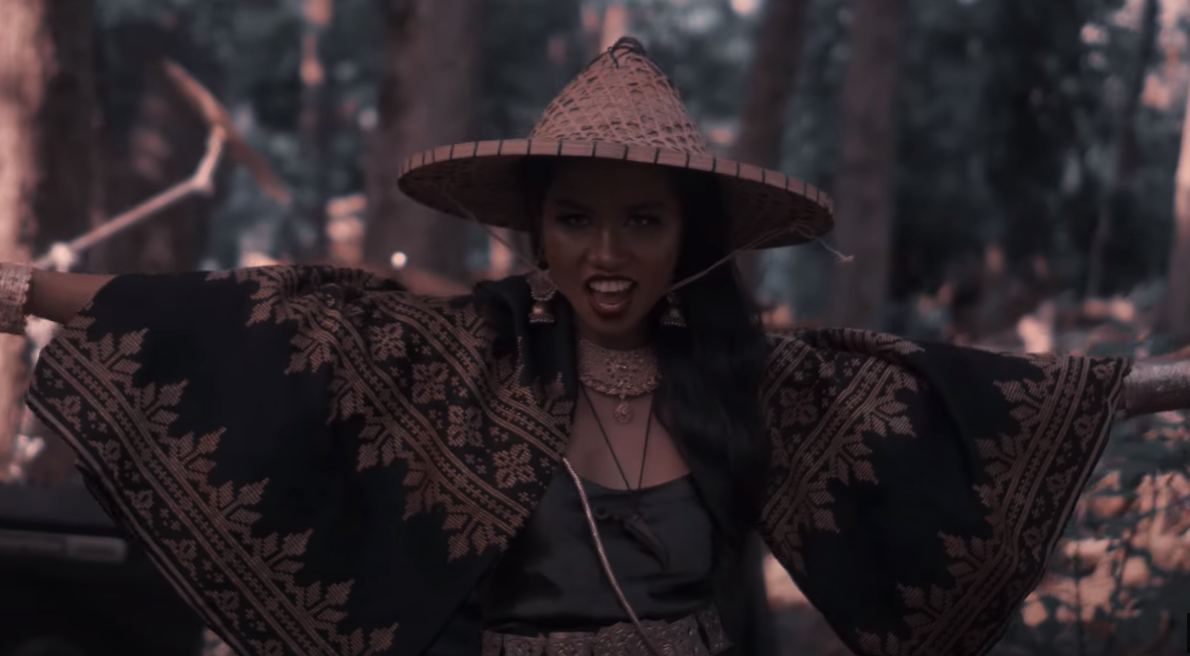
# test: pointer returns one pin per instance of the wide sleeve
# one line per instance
(271, 438)
(917, 489)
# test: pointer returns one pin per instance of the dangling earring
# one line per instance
(542, 289)
(672, 317)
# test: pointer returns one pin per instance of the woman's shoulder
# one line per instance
(357, 289)
(821, 345)
(227, 418)
(319, 307)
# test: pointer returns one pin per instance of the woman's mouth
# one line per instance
(610, 297)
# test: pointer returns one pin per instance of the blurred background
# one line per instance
(1010, 174)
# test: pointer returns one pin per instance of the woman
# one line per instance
(566, 463)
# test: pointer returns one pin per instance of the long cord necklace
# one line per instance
(633, 523)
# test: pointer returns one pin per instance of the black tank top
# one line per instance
(550, 579)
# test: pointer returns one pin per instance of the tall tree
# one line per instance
(1177, 298)
(767, 93)
(1039, 90)
(613, 26)
(1121, 163)
(864, 193)
(518, 81)
(46, 123)
(428, 94)
(314, 123)
(771, 81)
(152, 138)
(591, 39)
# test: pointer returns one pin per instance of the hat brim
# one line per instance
(767, 209)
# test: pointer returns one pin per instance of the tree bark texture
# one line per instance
(767, 94)
(1118, 178)
(153, 139)
(314, 124)
(864, 186)
(428, 95)
(46, 124)
(1177, 299)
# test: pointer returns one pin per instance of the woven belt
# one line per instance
(700, 634)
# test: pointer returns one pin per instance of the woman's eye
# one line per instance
(643, 220)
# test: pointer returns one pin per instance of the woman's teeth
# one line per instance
(610, 298)
(610, 286)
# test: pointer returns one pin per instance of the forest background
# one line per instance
(1009, 174)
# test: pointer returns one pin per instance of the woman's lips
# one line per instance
(610, 299)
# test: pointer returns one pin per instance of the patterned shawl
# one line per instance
(321, 463)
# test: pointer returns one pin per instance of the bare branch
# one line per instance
(238, 148)
(199, 183)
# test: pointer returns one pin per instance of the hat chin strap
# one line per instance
(776, 232)
(529, 263)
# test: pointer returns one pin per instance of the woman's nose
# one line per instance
(609, 248)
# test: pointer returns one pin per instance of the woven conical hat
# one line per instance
(621, 107)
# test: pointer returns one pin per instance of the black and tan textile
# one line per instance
(323, 464)
(698, 634)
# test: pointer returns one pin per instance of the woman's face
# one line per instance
(611, 232)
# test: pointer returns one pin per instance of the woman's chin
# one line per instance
(619, 330)
(611, 308)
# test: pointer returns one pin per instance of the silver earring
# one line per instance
(672, 317)
(543, 290)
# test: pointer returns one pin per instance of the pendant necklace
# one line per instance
(625, 375)
(633, 523)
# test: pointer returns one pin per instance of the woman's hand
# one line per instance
(59, 296)
(1157, 386)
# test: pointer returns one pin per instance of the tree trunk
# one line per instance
(864, 187)
(1117, 179)
(771, 82)
(152, 140)
(592, 33)
(767, 93)
(314, 125)
(46, 122)
(429, 91)
(614, 25)
(1177, 298)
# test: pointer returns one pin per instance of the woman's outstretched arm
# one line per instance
(59, 296)
(174, 389)
(1151, 386)
(1157, 386)
(916, 489)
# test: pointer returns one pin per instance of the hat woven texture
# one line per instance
(621, 107)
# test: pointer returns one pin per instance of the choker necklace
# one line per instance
(623, 374)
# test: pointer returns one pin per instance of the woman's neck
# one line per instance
(630, 341)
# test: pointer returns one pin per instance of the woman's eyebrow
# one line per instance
(572, 204)
(634, 207)
(650, 205)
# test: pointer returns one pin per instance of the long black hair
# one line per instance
(711, 369)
